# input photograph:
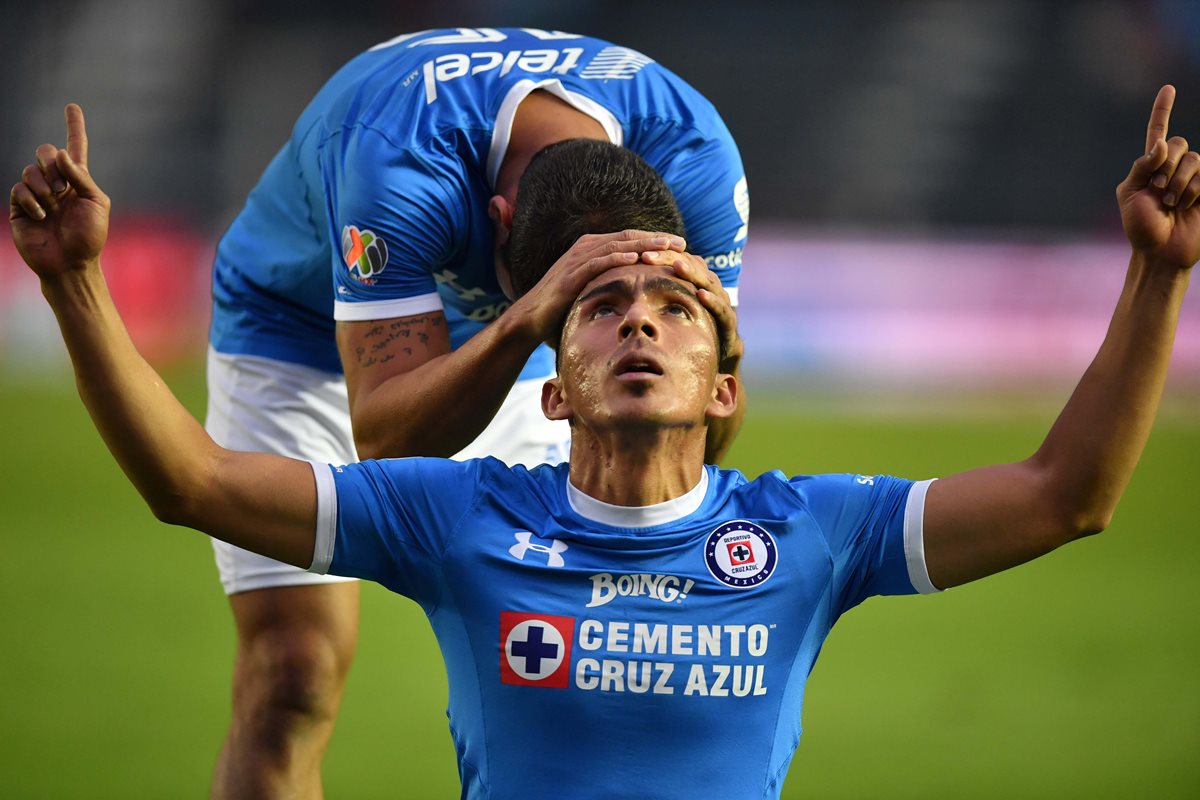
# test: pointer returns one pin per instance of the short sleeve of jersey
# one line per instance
(709, 184)
(396, 215)
(391, 520)
(872, 525)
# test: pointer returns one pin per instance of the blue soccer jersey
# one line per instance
(376, 207)
(601, 651)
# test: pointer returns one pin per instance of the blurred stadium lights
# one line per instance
(935, 313)
(158, 274)
(816, 310)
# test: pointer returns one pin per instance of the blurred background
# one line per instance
(934, 255)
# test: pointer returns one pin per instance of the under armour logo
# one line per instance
(553, 551)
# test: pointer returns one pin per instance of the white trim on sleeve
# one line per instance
(344, 311)
(326, 518)
(732, 291)
(914, 538)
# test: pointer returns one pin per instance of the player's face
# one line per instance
(638, 348)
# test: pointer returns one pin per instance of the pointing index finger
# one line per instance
(77, 142)
(1156, 131)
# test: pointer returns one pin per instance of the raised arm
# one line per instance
(264, 503)
(410, 396)
(986, 520)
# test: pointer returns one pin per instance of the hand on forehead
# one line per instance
(683, 273)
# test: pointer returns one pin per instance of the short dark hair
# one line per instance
(581, 186)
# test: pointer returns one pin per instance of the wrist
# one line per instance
(74, 280)
(1159, 278)
(516, 328)
(520, 325)
(1156, 267)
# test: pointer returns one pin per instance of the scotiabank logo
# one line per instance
(535, 649)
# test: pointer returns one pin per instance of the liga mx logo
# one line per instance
(365, 253)
(741, 554)
(535, 649)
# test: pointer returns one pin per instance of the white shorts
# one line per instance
(264, 405)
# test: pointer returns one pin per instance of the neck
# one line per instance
(541, 120)
(636, 467)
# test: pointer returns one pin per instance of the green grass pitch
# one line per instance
(1074, 676)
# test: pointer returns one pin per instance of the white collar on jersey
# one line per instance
(522, 89)
(637, 516)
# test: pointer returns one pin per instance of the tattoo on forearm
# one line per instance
(382, 339)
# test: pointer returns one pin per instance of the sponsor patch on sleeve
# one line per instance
(364, 253)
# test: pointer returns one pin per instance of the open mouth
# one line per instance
(638, 365)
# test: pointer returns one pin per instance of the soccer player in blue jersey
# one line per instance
(584, 609)
(369, 249)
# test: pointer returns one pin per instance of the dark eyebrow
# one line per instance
(612, 287)
(622, 289)
(668, 286)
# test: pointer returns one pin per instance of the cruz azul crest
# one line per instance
(741, 554)
(535, 649)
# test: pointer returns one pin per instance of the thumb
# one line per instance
(77, 176)
(1143, 169)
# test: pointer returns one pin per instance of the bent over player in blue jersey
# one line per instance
(584, 608)
(369, 247)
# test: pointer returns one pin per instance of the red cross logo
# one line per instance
(740, 553)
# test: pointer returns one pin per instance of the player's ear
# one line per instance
(500, 212)
(554, 402)
(724, 397)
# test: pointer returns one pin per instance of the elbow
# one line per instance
(1089, 522)
(369, 447)
(1050, 530)
(397, 442)
(188, 491)
(1071, 505)
(185, 502)
(377, 439)
(366, 448)
(1071, 521)
(173, 509)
